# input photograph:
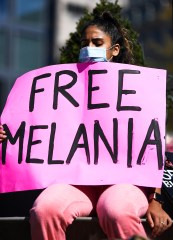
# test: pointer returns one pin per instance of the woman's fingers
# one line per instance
(2, 134)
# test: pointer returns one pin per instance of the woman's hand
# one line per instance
(2, 134)
(157, 218)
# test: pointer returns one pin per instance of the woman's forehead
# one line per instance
(95, 32)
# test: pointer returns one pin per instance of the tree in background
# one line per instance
(70, 52)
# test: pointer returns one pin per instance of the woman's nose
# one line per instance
(91, 44)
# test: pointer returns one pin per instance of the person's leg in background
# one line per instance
(119, 209)
(57, 207)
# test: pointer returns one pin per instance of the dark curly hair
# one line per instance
(119, 35)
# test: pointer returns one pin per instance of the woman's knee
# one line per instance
(114, 214)
(122, 202)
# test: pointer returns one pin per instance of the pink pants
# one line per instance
(119, 208)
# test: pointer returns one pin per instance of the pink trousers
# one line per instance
(119, 208)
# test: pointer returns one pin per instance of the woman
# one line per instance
(118, 207)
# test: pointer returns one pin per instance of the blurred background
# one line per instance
(32, 31)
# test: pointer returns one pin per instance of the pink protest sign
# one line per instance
(84, 124)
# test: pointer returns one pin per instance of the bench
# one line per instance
(83, 228)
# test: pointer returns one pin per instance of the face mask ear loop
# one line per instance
(110, 47)
(108, 60)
